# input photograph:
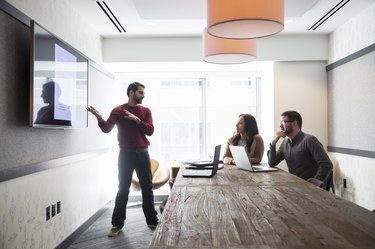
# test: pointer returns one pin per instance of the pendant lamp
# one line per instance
(244, 19)
(228, 51)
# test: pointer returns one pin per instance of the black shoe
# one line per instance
(114, 232)
(153, 224)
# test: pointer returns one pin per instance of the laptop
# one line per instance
(209, 172)
(242, 161)
(202, 163)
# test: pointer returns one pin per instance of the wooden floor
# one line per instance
(134, 235)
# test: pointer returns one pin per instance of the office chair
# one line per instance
(159, 176)
(330, 184)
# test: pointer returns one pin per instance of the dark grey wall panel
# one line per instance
(351, 101)
(19, 143)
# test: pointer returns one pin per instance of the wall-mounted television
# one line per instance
(59, 82)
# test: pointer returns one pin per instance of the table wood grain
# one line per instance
(241, 209)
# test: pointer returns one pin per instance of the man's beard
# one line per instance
(137, 100)
(288, 130)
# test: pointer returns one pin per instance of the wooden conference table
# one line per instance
(240, 209)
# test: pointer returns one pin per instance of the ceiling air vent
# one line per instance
(329, 14)
(111, 15)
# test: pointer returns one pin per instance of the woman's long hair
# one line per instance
(251, 129)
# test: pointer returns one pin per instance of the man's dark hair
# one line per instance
(134, 87)
(293, 116)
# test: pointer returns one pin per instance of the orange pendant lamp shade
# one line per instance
(228, 51)
(244, 19)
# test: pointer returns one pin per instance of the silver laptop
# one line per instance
(209, 172)
(242, 161)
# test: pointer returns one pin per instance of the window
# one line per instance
(192, 115)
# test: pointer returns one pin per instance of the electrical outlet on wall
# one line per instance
(53, 209)
(48, 213)
(58, 207)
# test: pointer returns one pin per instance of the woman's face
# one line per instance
(240, 126)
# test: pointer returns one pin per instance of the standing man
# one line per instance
(133, 122)
(304, 154)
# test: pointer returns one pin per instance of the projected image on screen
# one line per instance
(59, 82)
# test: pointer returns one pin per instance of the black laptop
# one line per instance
(202, 163)
(209, 172)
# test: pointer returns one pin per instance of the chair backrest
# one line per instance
(159, 176)
(154, 166)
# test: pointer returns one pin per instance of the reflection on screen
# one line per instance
(51, 93)
(59, 80)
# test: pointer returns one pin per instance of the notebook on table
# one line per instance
(242, 161)
(209, 172)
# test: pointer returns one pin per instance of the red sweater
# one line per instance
(130, 135)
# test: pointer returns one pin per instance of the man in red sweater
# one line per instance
(133, 122)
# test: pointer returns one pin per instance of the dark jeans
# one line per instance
(128, 161)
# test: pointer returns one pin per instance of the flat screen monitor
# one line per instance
(59, 82)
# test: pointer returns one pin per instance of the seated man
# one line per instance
(304, 154)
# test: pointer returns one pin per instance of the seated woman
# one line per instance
(247, 135)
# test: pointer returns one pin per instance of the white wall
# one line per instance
(352, 36)
(62, 20)
(302, 86)
(359, 172)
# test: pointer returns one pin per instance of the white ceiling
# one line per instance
(188, 17)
